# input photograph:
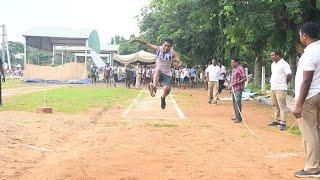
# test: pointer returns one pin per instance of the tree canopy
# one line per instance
(249, 30)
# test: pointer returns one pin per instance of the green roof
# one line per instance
(58, 35)
(59, 32)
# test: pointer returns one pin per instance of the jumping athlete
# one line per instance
(165, 58)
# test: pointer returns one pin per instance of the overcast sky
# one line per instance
(108, 17)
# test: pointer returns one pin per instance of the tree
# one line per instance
(15, 48)
(249, 30)
(125, 47)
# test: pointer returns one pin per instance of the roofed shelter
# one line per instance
(47, 38)
(107, 52)
(141, 56)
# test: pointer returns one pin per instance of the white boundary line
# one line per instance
(16, 91)
(178, 110)
(153, 118)
(135, 101)
(41, 149)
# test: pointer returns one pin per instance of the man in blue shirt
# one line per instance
(193, 73)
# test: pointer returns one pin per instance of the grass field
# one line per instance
(70, 99)
(15, 83)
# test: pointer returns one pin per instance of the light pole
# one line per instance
(5, 46)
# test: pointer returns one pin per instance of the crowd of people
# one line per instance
(136, 75)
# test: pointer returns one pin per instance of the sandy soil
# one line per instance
(117, 144)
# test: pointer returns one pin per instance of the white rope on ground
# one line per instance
(245, 123)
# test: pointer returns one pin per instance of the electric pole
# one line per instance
(5, 46)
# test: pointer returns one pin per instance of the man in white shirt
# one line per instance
(213, 73)
(307, 95)
(222, 76)
(138, 75)
(177, 76)
(281, 75)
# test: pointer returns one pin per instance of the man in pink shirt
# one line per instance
(165, 58)
(238, 79)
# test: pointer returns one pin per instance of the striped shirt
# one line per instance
(237, 74)
(164, 61)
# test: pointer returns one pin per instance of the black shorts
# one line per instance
(128, 78)
(186, 79)
(165, 79)
(115, 77)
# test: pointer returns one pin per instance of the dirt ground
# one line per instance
(124, 143)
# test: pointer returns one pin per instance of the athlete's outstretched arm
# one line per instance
(176, 61)
(149, 45)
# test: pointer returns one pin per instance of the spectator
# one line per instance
(193, 74)
(280, 76)
(138, 73)
(213, 73)
(2, 80)
(107, 74)
(238, 79)
(307, 96)
(93, 74)
(222, 76)
(128, 76)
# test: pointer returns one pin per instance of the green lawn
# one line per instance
(15, 83)
(294, 130)
(253, 89)
(70, 99)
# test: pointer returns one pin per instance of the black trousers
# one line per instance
(0, 91)
(221, 85)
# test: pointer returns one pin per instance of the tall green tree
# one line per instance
(125, 47)
(249, 30)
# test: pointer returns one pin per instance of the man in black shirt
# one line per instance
(1, 80)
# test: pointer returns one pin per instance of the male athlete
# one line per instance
(165, 58)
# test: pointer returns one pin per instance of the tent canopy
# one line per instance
(141, 56)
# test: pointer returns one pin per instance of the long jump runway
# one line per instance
(145, 107)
